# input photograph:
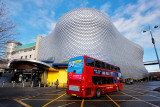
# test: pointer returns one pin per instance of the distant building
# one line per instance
(16, 50)
(10, 47)
(26, 51)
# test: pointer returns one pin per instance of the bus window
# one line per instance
(109, 80)
(115, 68)
(96, 80)
(103, 65)
(102, 80)
(97, 64)
(112, 67)
(108, 66)
(90, 62)
(118, 69)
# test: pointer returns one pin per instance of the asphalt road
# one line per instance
(136, 95)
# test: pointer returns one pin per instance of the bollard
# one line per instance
(49, 84)
(39, 84)
(13, 84)
(52, 84)
(23, 84)
(3, 84)
(32, 84)
(44, 85)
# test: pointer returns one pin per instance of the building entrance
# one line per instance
(27, 75)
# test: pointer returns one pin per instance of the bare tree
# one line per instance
(7, 28)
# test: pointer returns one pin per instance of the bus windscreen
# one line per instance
(75, 68)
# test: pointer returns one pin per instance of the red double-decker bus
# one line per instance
(88, 77)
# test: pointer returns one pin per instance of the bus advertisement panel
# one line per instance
(88, 77)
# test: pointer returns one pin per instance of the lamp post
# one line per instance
(150, 30)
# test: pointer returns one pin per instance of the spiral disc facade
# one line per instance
(86, 31)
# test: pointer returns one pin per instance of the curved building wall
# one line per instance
(86, 31)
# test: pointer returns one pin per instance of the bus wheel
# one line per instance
(98, 92)
(117, 89)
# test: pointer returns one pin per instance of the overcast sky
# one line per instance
(131, 17)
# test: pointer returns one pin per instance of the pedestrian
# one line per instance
(57, 83)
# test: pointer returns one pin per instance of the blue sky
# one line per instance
(131, 17)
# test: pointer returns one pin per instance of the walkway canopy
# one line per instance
(30, 64)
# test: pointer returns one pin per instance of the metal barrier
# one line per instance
(39, 84)
(48, 84)
(44, 85)
(52, 84)
(23, 84)
(31, 84)
(3, 84)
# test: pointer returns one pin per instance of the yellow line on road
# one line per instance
(82, 103)
(140, 99)
(19, 101)
(54, 100)
(37, 99)
(28, 97)
(113, 101)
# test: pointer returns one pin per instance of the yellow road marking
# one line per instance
(140, 100)
(28, 97)
(92, 100)
(82, 103)
(37, 99)
(19, 101)
(113, 101)
(53, 100)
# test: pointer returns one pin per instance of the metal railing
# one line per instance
(32, 84)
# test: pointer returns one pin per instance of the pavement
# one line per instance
(136, 95)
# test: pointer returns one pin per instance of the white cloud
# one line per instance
(84, 4)
(42, 19)
(14, 7)
(52, 13)
(51, 25)
(132, 19)
(105, 8)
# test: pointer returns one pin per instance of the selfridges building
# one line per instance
(87, 31)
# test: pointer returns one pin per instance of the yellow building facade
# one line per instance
(51, 75)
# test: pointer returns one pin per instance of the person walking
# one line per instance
(57, 83)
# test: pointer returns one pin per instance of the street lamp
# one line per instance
(150, 30)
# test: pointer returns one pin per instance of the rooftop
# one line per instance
(27, 45)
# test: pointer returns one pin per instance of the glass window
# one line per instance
(108, 66)
(97, 64)
(90, 62)
(103, 65)
(115, 68)
(118, 69)
(112, 68)
(102, 80)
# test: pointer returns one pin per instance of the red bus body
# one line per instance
(85, 84)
